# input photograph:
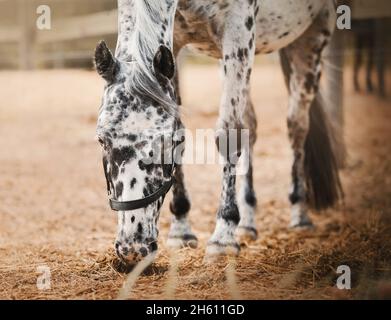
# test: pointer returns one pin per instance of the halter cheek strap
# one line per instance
(144, 202)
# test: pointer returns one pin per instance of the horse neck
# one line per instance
(143, 26)
(126, 24)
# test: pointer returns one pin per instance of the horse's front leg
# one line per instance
(180, 234)
(247, 198)
(237, 43)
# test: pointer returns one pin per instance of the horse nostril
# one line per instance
(153, 246)
(143, 251)
(117, 251)
(125, 250)
(121, 249)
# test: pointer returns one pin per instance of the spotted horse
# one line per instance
(141, 102)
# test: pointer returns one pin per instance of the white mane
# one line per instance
(150, 16)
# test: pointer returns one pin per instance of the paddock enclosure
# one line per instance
(54, 214)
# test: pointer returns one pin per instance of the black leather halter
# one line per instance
(144, 202)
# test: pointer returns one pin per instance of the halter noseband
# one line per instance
(144, 202)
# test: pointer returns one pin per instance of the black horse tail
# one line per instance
(320, 164)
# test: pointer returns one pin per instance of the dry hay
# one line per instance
(291, 270)
(73, 235)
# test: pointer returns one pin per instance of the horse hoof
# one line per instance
(302, 225)
(245, 234)
(187, 241)
(216, 250)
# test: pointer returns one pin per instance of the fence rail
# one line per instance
(9, 34)
(90, 25)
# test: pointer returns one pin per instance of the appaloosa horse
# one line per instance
(141, 100)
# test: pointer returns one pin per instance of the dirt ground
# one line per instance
(54, 210)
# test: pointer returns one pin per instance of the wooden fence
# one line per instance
(76, 27)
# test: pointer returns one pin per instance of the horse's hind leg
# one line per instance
(370, 62)
(358, 53)
(237, 43)
(180, 234)
(246, 198)
(380, 54)
(315, 180)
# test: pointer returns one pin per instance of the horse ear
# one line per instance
(104, 62)
(163, 62)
